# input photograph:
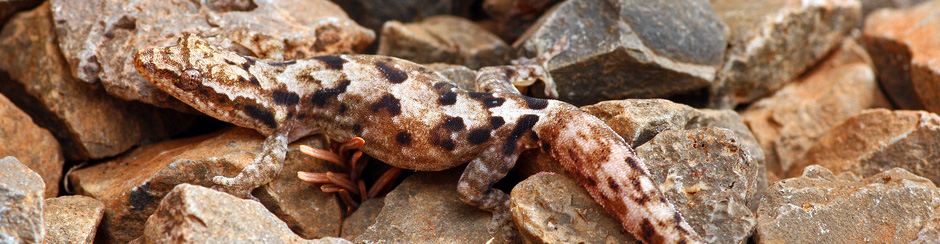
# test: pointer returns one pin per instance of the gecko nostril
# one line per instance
(189, 80)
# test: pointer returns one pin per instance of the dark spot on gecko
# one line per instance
(403, 138)
(546, 147)
(447, 98)
(230, 62)
(284, 63)
(357, 128)
(254, 81)
(590, 181)
(613, 185)
(453, 124)
(487, 98)
(642, 199)
(533, 137)
(478, 95)
(535, 103)
(509, 72)
(676, 219)
(285, 97)
(342, 109)
(446, 144)
(636, 185)
(681, 242)
(443, 85)
(648, 233)
(523, 125)
(497, 122)
(389, 102)
(478, 136)
(633, 164)
(335, 62)
(262, 115)
(321, 96)
(391, 73)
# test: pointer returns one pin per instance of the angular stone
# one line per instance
(792, 120)
(425, 208)
(772, 42)
(195, 214)
(711, 179)
(551, 208)
(131, 186)
(877, 140)
(629, 48)
(445, 39)
(71, 219)
(89, 123)
(869, 6)
(21, 192)
(35, 147)
(99, 38)
(889, 207)
(513, 17)
(374, 13)
(364, 216)
(903, 45)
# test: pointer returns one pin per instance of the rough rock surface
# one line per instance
(629, 49)
(877, 140)
(131, 186)
(512, 17)
(425, 208)
(551, 208)
(445, 39)
(904, 46)
(374, 13)
(195, 214)
(710, 178)
(869, 6)
(35, 147)
(771, 42)
(71, 219)
(792, 120)
(21, 192)
(890, 207)
(364, 216)
(10, 7)
(88, 122)
(99, 38)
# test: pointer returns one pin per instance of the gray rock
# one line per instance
(99, 38)
(445, 39)
(34, 146)
(711, 179)
(772, 42)
(71, 219)
(551, 208)
(21, 192)
(629, 48)
(460, 75)
(364, 216)
(889, 207)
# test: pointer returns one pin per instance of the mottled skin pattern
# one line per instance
(413, 118)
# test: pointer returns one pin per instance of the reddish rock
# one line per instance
(71, 219)
(35, 147)
(9, 7)
(445, 39)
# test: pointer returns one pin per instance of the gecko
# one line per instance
(413, 118)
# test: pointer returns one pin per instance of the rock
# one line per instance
(773, 42)
(195, 214)
(364, 216)
(551, 208)
(889, 207)
(877, 140)
(711, 179)
(629, 49)
(89, 123)
(374, 13)
(792, 120)
(445, 39)
(132, 185)
(463, 77)
(425, 208)
(513, 17)
(35, 147)
(99, 38)
(71, 219)
(10, 7)
(21, 192)
(902, 44)
(869, 6)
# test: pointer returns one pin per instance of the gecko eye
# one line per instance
(189, 80)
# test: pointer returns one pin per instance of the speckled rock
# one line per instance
(629, 48)
(425, 208)
(21, 192)
(792, 120)
(877, 140)
(445, 39)
(35, 147)
(100, 38)
(362, 218)
(904, 45)
(131, 186)
(551, 208)
(89, 123)
(890, 207)
(710, 178)
(772, 42)
(71, 219)
(195, 214)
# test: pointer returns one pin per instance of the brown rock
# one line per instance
(99, 38)
(445, 39)
(21, 192)
(890, 207)
(773, 42)
(33, 146)
(88, 122)
(10, 7)
(131, 186)
(711, 179)
(374, 13)
(513, 17)
(71, 219)
(792, 120)
(551, 208)
(629, 49)
(195, 214)
(425, 208)
(877, 140)
(364, 216)
(869, 6)
(903, 46)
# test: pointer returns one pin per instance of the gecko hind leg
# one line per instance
(266, 166)
(475, 187)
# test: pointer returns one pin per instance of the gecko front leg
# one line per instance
(475, 187)
(266, 166)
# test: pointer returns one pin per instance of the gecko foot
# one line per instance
(350, 186)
